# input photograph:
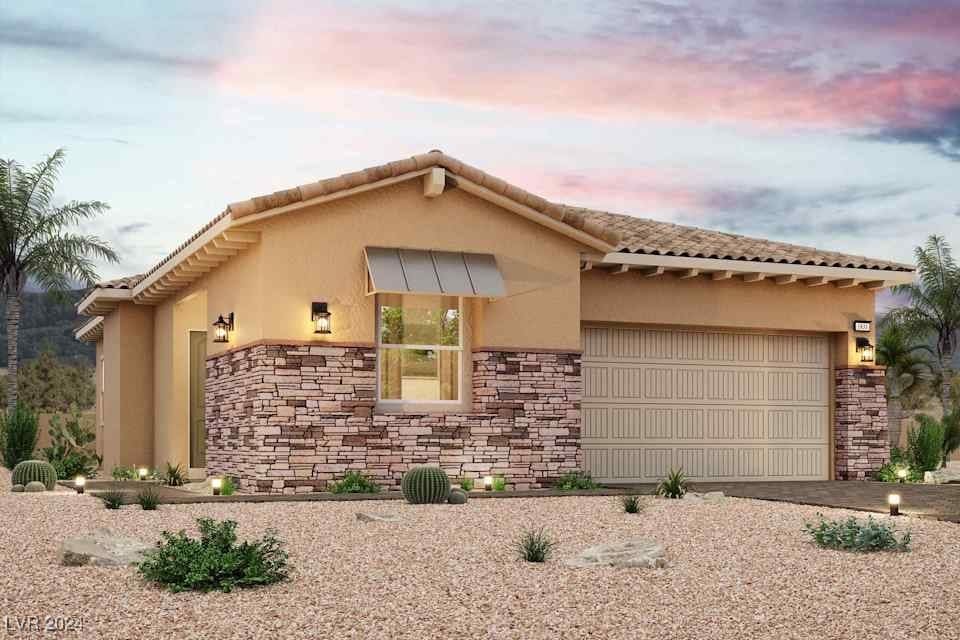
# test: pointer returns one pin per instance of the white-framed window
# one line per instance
(419, 348)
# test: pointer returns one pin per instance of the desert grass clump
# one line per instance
(466, 484)
(535, 546)
(631, 504)
(674, 485)
(499, 483)
(148, 499)
(112, 499)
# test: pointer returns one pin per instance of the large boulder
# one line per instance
(102, 549)
(633, 553)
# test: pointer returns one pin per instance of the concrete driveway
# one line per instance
(940, 501)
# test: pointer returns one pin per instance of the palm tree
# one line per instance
(36, 243)
(934, 306)
(908, 365)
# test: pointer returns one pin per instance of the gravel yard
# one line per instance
(742, 569)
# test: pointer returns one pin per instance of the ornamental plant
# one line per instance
(355, 482)
(576, 481)
(72, 451)
(857, 535)
(535, 546)
(20, 435)
(215, 561)
(674, 485)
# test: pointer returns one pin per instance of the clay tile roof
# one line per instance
(642, 235)
(126, 282)
(626, 233)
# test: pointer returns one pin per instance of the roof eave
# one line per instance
(750, 271)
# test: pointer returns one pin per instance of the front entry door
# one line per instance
(198, 375)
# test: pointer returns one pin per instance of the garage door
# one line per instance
(719, 405)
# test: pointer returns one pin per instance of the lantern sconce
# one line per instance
(865, 349)
(222, 328)
(321, 317)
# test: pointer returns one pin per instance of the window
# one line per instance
(419, 348)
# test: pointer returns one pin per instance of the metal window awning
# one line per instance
(451, 273)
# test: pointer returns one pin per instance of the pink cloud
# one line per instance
(471, 59)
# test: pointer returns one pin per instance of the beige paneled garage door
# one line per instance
(720, 405)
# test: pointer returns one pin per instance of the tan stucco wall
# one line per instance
(666, 299)
(317, 255)
(127, 402)
(174, 319)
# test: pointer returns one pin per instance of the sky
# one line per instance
(833, 124)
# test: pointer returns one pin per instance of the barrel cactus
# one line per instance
(17, 488)
(457, 496)
(34, 486)
(422, 485)
(35, 470)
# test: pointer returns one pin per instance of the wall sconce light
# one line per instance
(142, 473)
(865, 349)
(902, 475)
(222, 328)
(321, 318)
(79, 483)
(217, 485)
(893, 500)
(488, 483)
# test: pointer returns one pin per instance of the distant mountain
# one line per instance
(45, 321)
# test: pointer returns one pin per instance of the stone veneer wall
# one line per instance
(860, 415)
(291, 418)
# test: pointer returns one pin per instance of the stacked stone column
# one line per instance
(860, 415)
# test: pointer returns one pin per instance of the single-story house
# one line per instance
(426, 312)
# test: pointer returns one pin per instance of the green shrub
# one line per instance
(925, 444)
(174, 476)
(123, 473)
(421, 485)
(355, 482)
(674, 485)
(466, 484)
(898, 460)
(35, 471)
(215, 561)
(631, 504)
(499, 483)
(535, 546)
(148, 498)
(857, 535)
(228, 487)
(112, 499)
(576, 481)
(72, 451)
(20, 436)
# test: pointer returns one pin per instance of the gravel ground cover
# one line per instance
(742, 569)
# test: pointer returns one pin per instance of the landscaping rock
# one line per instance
(373, 517)
(102, 549)
(633, 553)
(711, 497)
(35, 487)
(457, 496)
(17, 488)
